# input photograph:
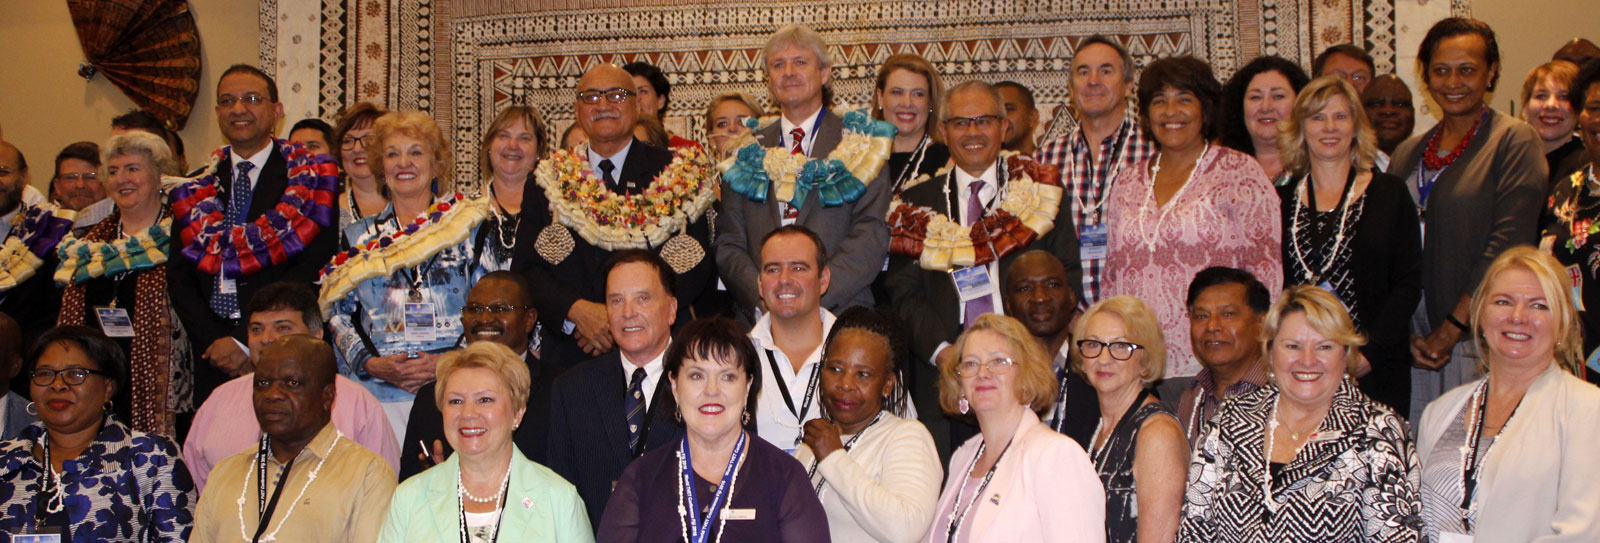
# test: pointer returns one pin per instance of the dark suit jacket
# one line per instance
(34, 304)
(427, 423)
(855, 235)
(189, 289)
(580, 276)
(589, 432)
(927, 300)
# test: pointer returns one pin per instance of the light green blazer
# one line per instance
(540, 507)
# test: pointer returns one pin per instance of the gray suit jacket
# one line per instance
(855, 235)
(16, 418)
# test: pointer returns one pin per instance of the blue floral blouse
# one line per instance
(126, 487)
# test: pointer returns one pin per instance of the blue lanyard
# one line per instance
(700, 530)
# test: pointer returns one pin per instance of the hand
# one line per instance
(591, 325)
(1363, 367)
(435, 459)
(822, 436)
(402, 371)
(1433, 352)
(225, 354)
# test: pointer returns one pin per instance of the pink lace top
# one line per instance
(1227, 215)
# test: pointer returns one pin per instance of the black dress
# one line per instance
(1114, 462)
(1377, 272)
(1575, 200)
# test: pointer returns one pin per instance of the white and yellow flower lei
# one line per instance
(680, 194)
(947, 244)
(864, 147)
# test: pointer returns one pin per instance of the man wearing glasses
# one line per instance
(499, 309)
(938, 302)
(76, 184)
(564, 262)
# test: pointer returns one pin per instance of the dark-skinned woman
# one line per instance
(876, 472)
(104, 482)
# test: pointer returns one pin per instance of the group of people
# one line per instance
(1213, 311)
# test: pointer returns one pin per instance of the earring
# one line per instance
(108, 406)
(31, 409)
(677, 414)
(744, 419)
(964, 406)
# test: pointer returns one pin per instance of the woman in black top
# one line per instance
(1351, 230)
(1572, 218)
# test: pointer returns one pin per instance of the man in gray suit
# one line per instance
(14, 414)
(854, 232)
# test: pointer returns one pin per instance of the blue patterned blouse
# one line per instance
(126, 487)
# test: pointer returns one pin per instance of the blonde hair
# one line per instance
(1553, 283)
(1035, 382)
(1560, 72)
(914, 63)
(1143, 329)
(1324, 313)
(749, 102)
(415, 124)
(139, 142)
(530, 117)
(513, 371)
(1313, 99)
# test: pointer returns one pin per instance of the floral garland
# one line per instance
(580, 201)
(448, 222)
(306, 207)
(839, 179)
(35, 232)
(82, 260)
(1027, 210)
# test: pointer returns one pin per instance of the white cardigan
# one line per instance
(885, 488)
(1542, 482)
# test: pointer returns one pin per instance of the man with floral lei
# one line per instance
(29, 234)
(613, 193)
(954, 231)
(261, 212)
(811, 167)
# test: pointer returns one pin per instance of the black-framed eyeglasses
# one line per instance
(615, 96)
(1120, 350)
(350, 142)
(995, 365)
(982, 122)
(73, 376)
(251, 99)
(498, 310)
(91, 177)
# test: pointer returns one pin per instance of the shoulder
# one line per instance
(588, 370)
(413, 490)
(1579, 395)
(899, 429)
(1043, 445)
(351, 391)
(152, 445)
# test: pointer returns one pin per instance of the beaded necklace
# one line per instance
(1467, 484)
(244, 488)
(1346, 201)
(914, 165)
(1432, 161)
(1153, 236)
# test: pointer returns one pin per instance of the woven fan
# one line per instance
(148, 48)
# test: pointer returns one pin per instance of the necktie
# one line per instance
(226, 304)
(634, 406)
(982, 304)
(606, 167)
(798, 135)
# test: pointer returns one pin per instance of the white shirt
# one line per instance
(774, 421)
(652, 374)
(988, 194)
(809, 126)
(617, 160)
(886, 488)
(259, 160)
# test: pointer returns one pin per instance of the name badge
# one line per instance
(1092, 242)
(1451, 537)
(227, 285)
(115, 322)
(973, 282)
(739, 514)
(419, 319)
(1330, 435)
(44, 534)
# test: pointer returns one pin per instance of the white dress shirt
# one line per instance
(652, 374)
(809, 125)
(259, 160)
(990, 195)
(774, 422)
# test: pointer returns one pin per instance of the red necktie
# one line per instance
(799, 137)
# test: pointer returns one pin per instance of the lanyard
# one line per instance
(1103, 187)
(1469, 451)
(465, 533)
(805, 404)
(55, 503)
(1058, 412)
(812, 471)
(958, 518)
(700, 530)
(1343, 207)
(264, 507)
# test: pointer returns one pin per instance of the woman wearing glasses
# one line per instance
(79, 471)
(364, 195)
(1018, 480)
(1308, 458)
(1139, 449)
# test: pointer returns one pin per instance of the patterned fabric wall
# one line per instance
(464, 60)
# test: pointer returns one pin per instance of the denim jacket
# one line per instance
(377, 305)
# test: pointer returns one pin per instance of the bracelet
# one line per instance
(1451, 318)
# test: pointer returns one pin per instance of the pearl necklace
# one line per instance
(502, 216)
(1266, 456)
(1338, 237)
(683, 511)
(244, 490)
(491, 499)
(911, 172)
(1150, 237)
(1477, 411)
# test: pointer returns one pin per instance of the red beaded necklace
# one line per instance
(1430, 154)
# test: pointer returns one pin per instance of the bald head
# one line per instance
(10, 350)
(609, 124)
(313, 354)
(13, 176)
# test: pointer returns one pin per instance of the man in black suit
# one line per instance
(499, 309)
(610, 410)
(855, 233)
(251, 178)
(562, 263)
(934, 309)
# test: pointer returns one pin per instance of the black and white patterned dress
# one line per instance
(1114, 462)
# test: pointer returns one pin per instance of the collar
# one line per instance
(651, 368)
(259, 159)
(811, 125)
(989, 175)
(1254, 378)
(619, 158)
(762, 332)
(318, 445)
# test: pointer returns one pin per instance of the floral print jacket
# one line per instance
(126, 487)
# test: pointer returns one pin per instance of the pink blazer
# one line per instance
(1044, 489)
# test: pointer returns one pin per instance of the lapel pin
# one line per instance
(995, 499)
(527, 503)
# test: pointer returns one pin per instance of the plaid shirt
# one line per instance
(1087, 183)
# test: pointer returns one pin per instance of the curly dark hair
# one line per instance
(1588, 76)
(1185, 73)
(1234, 133)
(875, 322)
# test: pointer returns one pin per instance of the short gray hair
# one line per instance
(971, 86)
(151, 146)
(1102, 39)
(803, 37)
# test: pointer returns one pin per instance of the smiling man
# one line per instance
(565, 261)
(321, 486)
(794, 276)
(1389, 109)
(33, 301)
(499, 309)
(1226, 306)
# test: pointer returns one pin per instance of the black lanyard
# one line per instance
(805, 404)
(847, 445)
(264, 507)
(955, 523)
(1469, 463)
(465, 534)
